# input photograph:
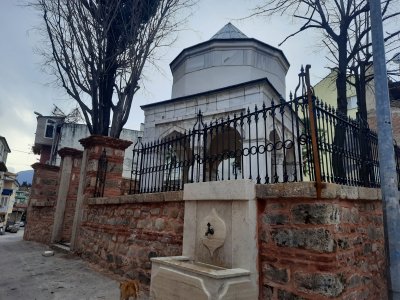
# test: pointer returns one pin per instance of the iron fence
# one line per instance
(267, 144)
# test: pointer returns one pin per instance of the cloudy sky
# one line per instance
(25, 88)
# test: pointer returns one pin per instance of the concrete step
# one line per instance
(61, 248)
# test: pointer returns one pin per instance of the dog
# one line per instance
(129, 289)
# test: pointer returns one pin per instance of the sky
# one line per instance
(25, 87)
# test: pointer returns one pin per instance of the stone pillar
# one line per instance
(40, 212)
(67, 191)
(94, 146)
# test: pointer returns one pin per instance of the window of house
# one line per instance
(352, 102)
(49, 133)
(3, 201)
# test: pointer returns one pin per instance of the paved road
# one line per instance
(27, 275)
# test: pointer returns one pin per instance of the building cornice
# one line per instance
(220, 44)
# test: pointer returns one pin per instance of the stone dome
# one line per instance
(227, 59)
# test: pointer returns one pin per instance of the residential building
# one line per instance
(54, 133)
(4, 150)
(20, 205)
(325, 90)
(22, 196)
(8, 195)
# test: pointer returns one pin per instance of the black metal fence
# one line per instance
(267, 144)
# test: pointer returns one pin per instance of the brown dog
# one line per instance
(129, 289)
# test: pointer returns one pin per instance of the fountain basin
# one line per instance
(179, 277)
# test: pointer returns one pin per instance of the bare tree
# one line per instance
(98, 49)
(345, 30)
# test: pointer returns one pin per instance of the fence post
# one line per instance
(314, 136)
(101, 175)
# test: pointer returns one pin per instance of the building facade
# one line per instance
(4, 151)
(325, 90)
(53, 134)
(7, 200)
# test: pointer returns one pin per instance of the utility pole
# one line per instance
(387, 166)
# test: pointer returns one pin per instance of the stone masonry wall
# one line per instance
(328, 248)
(41, 206)
(122, 233)
(70, 203)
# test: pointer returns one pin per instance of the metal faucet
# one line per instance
(210, 229)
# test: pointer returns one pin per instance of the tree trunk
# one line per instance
(339, 141)
(366, 172)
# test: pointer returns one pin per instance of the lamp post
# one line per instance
(387, 166)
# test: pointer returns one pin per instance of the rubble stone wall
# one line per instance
(41, 206)
(329, 248)
(122, 233)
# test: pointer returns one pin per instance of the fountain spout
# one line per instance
(210, 229)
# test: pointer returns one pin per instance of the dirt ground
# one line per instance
(25, 274)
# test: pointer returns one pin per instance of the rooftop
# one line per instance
(229, 32)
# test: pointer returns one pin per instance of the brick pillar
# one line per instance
(94, 146)
(40, 212)
(67, 194)
(115, 151)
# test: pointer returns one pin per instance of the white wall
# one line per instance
(72, 133)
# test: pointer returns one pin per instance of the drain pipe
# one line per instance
(387, 166)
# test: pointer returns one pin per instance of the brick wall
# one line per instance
(395, 107)
(395, 111)
(330, 248)
(41, 206)
(122, 233)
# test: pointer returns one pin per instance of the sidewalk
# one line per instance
(26, 274)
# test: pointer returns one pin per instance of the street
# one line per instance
(26, 274)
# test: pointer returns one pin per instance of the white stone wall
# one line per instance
(181, 115)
